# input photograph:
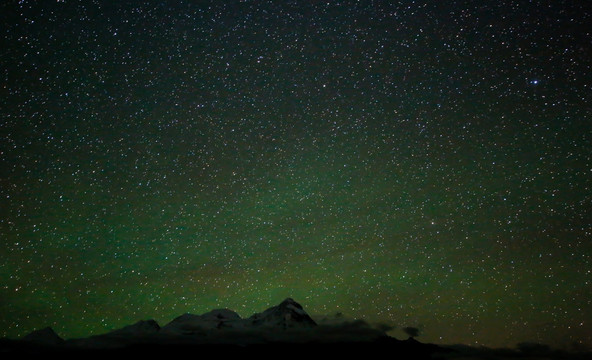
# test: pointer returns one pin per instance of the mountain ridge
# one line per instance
(286, 325)
(282, 329)
(288, 314)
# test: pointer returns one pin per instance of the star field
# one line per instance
(416, 163)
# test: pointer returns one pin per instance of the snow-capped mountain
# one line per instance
(188, 324)
(288, 314)
(223, 330)
(286, 322)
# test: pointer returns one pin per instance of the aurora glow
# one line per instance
(416, 163)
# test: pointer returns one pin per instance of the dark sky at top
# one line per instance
(416, 163)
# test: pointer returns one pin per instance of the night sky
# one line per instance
(416, 163)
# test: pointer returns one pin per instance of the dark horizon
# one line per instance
(351, 328)
(421, 164)
(286, 325)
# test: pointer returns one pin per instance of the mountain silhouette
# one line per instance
(288, 314)
(286, 327)
(284, 330)
(45, 336)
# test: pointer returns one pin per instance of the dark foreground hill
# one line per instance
(385, 346)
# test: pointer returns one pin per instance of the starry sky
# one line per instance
(416, 162)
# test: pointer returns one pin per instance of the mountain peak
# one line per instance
(188, 324)
(221, 314)
(45, 336)
(288, 314)
(290, 301)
